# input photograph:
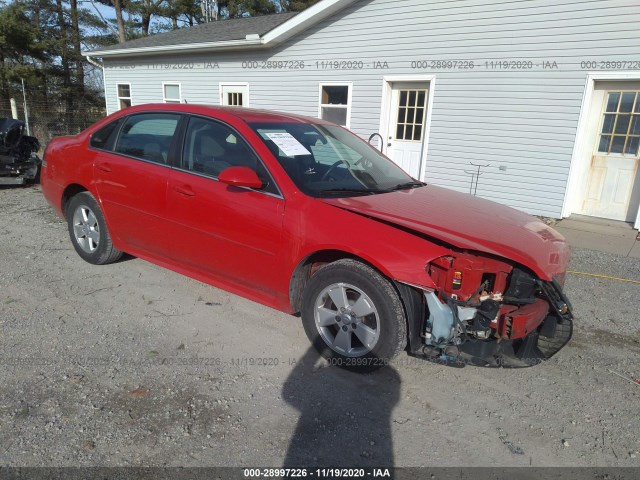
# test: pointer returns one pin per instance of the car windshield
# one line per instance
(329, 161)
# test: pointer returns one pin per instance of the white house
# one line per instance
(541, 97)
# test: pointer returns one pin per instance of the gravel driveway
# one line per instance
(132, 364)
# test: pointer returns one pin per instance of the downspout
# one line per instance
(94, 62)
(99, 65)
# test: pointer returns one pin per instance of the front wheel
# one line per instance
(88, 230)
(353, 316)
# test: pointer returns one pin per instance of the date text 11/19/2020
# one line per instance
(498, 64)
(266, 473)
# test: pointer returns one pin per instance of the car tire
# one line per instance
(353, 316)
(88, 230)
(36, 178)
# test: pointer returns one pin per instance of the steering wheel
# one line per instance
(366, 163)
(332, 168)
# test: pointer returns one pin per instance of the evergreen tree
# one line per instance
(294, 5)
(22, 57)
(248, 8)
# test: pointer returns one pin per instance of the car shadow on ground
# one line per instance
(345, 417)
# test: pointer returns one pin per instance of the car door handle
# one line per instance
(186, 191)
(105, 167)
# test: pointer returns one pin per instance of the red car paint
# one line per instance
(470, 223)
(250, 243)
(518, 322)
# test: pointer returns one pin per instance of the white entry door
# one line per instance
(613, 189)
(234, 94)
(406, 129)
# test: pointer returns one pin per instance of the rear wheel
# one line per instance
(353, 316)
(88, 230)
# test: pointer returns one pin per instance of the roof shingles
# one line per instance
(219, 31)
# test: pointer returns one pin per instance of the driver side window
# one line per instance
(211, 147)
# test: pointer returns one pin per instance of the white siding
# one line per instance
(524, 120)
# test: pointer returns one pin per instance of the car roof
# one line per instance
(248, 115)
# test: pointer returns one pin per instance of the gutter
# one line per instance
(250, 41)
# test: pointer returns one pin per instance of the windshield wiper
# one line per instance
(406, 186)
(356, 191)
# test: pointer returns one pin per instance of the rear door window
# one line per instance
(148, 136)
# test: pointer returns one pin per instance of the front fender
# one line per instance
(397, 254)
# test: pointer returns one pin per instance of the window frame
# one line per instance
(172, 100)
(130, 97)
(347, 107)
(413, 123)
(616, 115)
(247, 97)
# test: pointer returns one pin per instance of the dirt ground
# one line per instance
(132, 364)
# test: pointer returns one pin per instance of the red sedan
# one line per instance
(303, 216)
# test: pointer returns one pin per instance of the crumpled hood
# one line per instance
(468, 222)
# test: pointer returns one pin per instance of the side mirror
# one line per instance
(240, 177)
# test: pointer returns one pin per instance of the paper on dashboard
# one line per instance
(288, 144)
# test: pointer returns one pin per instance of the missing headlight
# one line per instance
(522, 287)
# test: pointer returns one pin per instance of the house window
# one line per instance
(124, 95)
(234, 94)
(171, 93)
(335, 103)
(620, 132)
(412, 106)
(234, 99)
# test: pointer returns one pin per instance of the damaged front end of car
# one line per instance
(19, 162)
(489, 312)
